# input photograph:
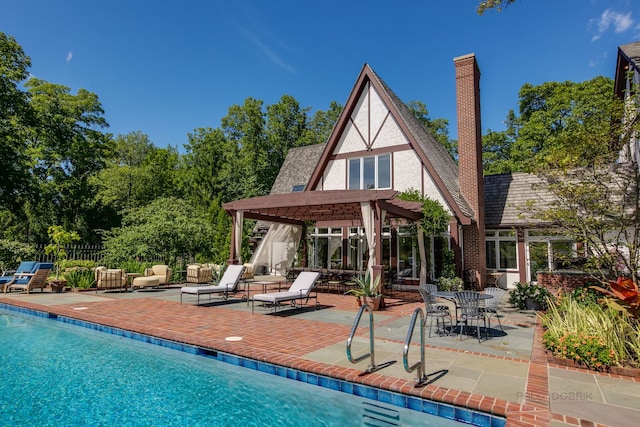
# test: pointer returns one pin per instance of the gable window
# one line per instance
(370, 173)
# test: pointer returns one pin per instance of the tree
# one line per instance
(285, 127)
(166, 227)
(321, 124)
(244, 129)
(438, 128)
(499, 5)
(15, 118)
(560, 124)
(66, 147)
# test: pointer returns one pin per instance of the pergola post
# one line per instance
(378, 268)
(236, 237)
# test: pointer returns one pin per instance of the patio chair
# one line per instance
(468, 303)
(197, 273)
(110, 278)
(490, 308)
(228, 283)
(300, 290)
(162, 272)
(434, 311)
(30, 281)
(24, 267)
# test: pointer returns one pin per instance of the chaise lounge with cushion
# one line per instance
(30, 281)
(228, 283)
(300, 290)
(24, 267)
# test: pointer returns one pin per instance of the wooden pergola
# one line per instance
(360, 207)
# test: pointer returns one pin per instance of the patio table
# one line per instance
(451, 296)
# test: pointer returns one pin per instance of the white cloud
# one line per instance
(69, 56)
(620, 22)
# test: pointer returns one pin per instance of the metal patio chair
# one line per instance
(468, 303)
(434, 311)
(490, 308)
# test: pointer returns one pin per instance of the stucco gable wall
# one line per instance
(335, 175)
(370, 124)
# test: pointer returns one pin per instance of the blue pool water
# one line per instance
(57, 374)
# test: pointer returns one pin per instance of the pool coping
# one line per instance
(442, 402)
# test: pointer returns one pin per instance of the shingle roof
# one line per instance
(632, 52)
(506, 196)
(297, 168)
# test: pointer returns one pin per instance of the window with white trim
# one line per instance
(502, 249)
(370, 173)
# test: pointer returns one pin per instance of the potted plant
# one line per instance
(58, 238)
(367, 292)
(529, 296)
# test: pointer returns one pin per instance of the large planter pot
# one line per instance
(530, 304)
(376, 303)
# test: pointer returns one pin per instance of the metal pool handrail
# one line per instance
(372, 366)
(419, 365)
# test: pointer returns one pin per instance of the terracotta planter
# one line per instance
(376, 303)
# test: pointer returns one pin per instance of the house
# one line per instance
(347, 191)
(627, 81)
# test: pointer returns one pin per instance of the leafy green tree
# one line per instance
(285, 127)
(565, 123)
(166, 227)
(499, 5)
(321, 124)
(560, 124)
(438, 128)
(66, 146)
(244, 129)
(15, 118)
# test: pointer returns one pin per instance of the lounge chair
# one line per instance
(30, 281)
(228, 283)
(24, 267)
(300, 290)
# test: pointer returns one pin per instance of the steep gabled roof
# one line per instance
(433, 155)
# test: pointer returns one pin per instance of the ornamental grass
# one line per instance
(592, 333)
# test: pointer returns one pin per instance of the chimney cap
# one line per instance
(460, 58)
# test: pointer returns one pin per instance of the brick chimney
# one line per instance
(470, 174)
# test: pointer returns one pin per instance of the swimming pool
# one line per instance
(55, 373)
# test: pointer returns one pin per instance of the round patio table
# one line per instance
(451, 296)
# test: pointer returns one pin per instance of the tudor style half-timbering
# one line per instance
(379, 148)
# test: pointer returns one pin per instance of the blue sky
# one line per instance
(167, 68)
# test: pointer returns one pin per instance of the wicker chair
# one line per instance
(197, 273)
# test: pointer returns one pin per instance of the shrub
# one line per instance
(79, 277)
(529, 291)
(588, 349)
(577, 331)
(450, 284)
